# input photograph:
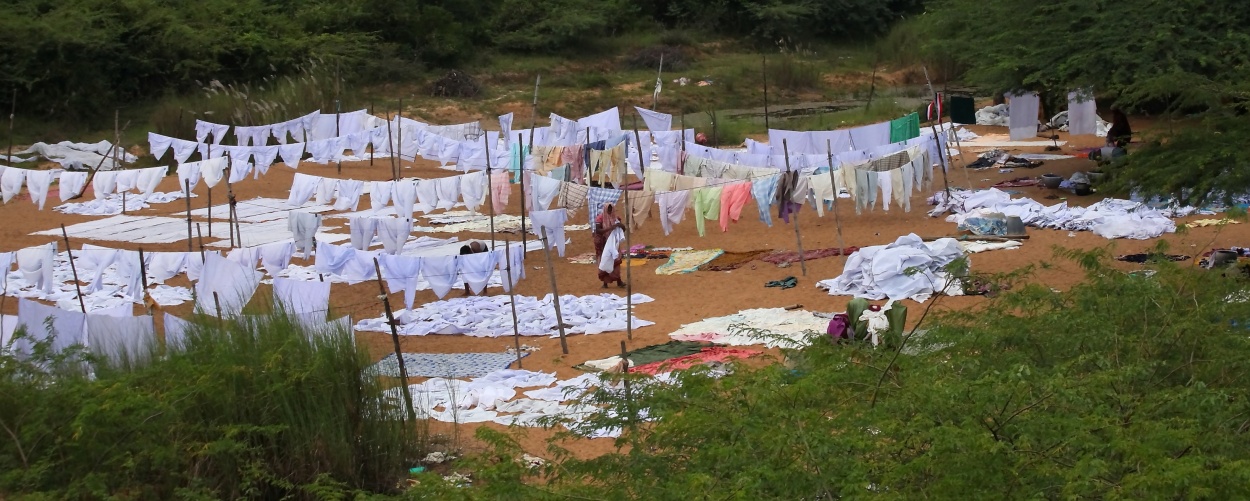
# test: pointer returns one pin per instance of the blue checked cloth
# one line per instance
(599, 196)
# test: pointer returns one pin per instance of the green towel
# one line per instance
(904, 128)
(785, 283)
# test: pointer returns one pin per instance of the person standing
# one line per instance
(1120, 133)
(605, 223)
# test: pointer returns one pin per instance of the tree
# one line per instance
(1175, 59)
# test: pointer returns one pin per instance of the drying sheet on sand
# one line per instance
(909, 268)
(687, 261)
(781, 328)
(449, 365)
(479, 316)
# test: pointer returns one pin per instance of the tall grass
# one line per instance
(251, 408)
(790, 73)
(274, 99)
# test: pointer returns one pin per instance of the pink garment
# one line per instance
(499, 191)
(733, 197)
(707, 355)
(574, 157)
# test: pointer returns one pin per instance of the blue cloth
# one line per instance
(447, 365)
(764, 191)
(599, 196)
(517, 157)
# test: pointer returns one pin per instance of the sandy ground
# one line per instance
(679, 299)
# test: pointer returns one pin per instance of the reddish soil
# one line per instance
(679, 299)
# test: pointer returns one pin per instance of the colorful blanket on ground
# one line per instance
(446, 365)
(781, 257)
(704, 356)
(687, 261)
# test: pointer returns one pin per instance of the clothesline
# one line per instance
(39, 182)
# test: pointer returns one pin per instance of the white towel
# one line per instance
(68, 326)
(11, 180)
(38, 182)
(400, 273)
(158, 144)
(233, 284)
(331, 259)
(477, 269)
(611, 250)
(122, 341)
(303, 187)
(404, 197)
(291, 154)
(440, 272)
(36, 265)
(212, 171)
(448, 192)
(301, 296)
(188, 176)
(95, 259)
(473, 189)
(363, 229)
(543, 190)
(276, 256)
(672, 208)
(71, 184)
(394, 233)
(551, 222)
(380, 194)
(149, 179)
(183, 149)
(130, 273)
(303, 227)
(163, 266)
(325, 190)
(127, 180)
(264, 157)
(427, 195)
(349, 192)
(511, 256)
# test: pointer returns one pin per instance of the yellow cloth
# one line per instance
(687, 261)
(1210, 222)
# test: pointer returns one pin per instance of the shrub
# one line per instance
(248, 408)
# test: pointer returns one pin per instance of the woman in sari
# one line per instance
(605, 223)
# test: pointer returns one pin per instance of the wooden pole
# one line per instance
(798, 238)
(942, 149)
(143, 270)
(551, 274)
(210, 196)
(681, 159)
(655, 95)
(764, 72)
(201, 234)
(516, 328)
(390, 141)
(187, 190)
(837, 219)
(229, 206)
(217, 305)
(123, 203)
(72, 268)
(399, 353)
(629, 400)
(524, 198)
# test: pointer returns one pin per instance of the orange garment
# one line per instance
(732, 199)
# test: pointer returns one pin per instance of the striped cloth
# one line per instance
(597, 197)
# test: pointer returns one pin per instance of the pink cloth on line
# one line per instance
(733, 197)
(499, 191)
(710, 354)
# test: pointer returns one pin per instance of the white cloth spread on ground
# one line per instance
(1109, 218)
(480, 316)
(774, 327)
(909, 268)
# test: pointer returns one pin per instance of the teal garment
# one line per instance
(907, 127)
(897, 314)
(519, 152)
(706, 206)
(855, 308)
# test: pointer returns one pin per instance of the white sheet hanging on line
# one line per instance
(122, 341)
(1022, 115)
(72, 184)
(11, 180)
(37, 183)
(231, 283)
(656, 121)
(301, 296)
(1082, 113)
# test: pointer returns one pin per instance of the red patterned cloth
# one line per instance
(709, 354)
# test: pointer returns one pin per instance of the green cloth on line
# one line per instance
(706, 206)
(904, 128)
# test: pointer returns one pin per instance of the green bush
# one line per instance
(249, 408)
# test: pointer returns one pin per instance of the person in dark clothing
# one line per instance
(473, 247)
(1120, 132)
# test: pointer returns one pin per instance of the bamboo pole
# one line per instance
(69, 252)
(516, 328)
(390, 141)
(798, 238)
(681, 159)
(399, 354)
(837, 219)
(764, 72)
(388, 118)
(399, 139)
(117, 141)
(201, 235)
(551, 274)
(12, 112)
(936, 140)
(143, 271)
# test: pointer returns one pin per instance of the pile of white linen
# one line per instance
(909, 268)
